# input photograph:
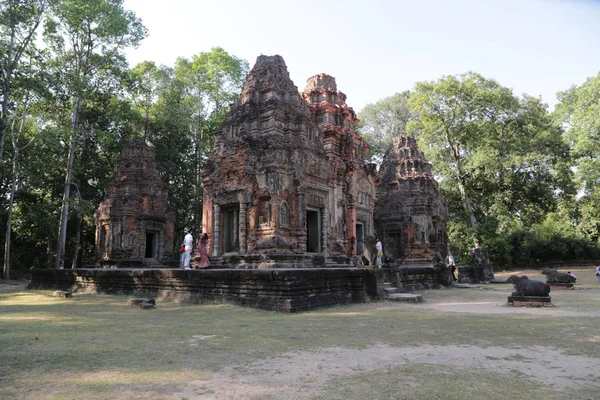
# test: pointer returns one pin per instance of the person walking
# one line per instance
(598, 272)
(187, 255)
(379, 248)
(452, 266)
(203, 250)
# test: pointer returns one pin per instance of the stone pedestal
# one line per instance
(530, 301)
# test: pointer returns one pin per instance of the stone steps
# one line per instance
(393, 294)
(152, 263)
(215, 262)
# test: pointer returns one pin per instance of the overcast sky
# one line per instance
(377, 48)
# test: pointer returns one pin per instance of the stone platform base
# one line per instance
(530, 301)
(560, 286)
(284, 261)
(408, 278)
(286, 290)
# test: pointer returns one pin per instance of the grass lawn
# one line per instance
(458, 344)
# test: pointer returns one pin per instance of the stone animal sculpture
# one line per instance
(553, 276)
(526, 287)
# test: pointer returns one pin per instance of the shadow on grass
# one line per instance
(100, 336)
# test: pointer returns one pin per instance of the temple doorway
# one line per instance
(150, 251)
(395, 244)
(231, 241)
(360, 239)
(313, 231)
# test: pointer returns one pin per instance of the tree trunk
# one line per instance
(5, 95)
(5, 92)
(467, 203)
(11, 202)
(64, 213)
(455, 153)
(77, 243)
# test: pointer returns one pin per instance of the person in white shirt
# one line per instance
(187, 255)
(452, 266)
(379, 253)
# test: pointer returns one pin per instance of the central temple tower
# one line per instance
(287, 171)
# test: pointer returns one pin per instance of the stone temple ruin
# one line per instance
(133, 225)
(290, 206)
(410, 212)
(287, 178)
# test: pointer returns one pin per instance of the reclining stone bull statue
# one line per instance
(553, 276)
(526, 287)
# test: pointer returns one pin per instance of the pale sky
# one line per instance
(376, 48)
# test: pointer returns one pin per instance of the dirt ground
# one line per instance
(303, 375)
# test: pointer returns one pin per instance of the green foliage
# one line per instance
(185, 105)
(381, 121)
(579, 111)
(501, 159)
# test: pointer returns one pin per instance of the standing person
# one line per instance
(187, 255)
(379, 253)
(203, 250)
(598, 272)
(452, 266)
(181, 255)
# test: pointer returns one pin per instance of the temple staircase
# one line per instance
(393, 294)
(216, 262)
(153, 263)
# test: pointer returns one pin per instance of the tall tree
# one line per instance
(17, 131)
(381, 121)
(501, 154)
(579, 111)
(188, 110)
(31, 90)
(19, 20)
(87, 37)
(143, 84)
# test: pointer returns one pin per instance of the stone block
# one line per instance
(530, 301)
(138, 301)
(406, 297)
(146, 305)
(559, 286)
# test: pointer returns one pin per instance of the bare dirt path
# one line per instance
(301, 375)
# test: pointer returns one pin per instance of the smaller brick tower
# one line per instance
(410, 213)
(133, 224)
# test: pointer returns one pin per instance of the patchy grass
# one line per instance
(98, 347)
(431, 382)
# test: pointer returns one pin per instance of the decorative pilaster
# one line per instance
(301, 210)
(351, 229)
(216, 230)
(301, 229)
(324, 230)
(243, 216)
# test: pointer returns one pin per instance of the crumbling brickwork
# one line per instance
(133, 222)
(410, 213)
(287, 173)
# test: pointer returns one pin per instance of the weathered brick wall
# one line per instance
(410, 213)
(270, 289)
(135, 204)
(409, 278)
